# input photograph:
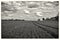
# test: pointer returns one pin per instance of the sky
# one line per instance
(29, 10)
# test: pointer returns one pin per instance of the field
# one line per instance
(29, 29)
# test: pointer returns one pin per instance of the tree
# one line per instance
(57, 18)
(43, 19)
(38, 19)
(47, 18)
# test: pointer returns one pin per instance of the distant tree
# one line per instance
(15, 19)
(38, 19)
(47, 18)
(57, 18)
(43, 19)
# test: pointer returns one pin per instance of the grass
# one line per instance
(27, 29)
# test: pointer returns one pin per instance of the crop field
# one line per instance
(29, 29)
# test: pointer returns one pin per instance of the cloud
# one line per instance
(17, 11)
(39, 13)
(26, 11)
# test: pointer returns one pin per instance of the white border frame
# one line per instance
(23, 38)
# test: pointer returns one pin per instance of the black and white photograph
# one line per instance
(30, 19)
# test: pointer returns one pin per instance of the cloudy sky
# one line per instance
(29, 10)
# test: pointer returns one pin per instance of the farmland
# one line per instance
(34, 19)
(29, 29)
